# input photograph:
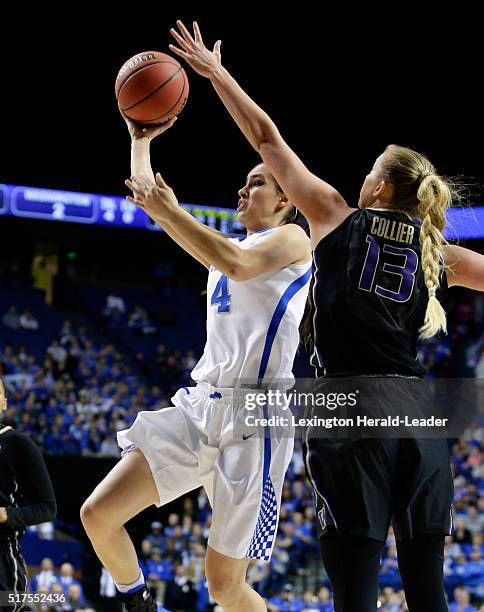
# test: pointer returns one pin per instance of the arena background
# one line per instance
(340, 91)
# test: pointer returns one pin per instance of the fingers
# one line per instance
(180, 40)
(179, 52)
(198, 35)
(160, 182)
(216, 48)
(186, 34)
(138, 203)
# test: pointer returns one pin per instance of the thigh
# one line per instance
(425, 489)
(128, 489)
(247, 486)
(170, 443)
(353, 481)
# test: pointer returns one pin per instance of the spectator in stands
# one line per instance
(286, 601)
(28, 321)
(325, 600)
(66, 577)
(461, 601)
(180, 592)
(45, 578)
(57, 352)
(11, 319)
(75, 599)
(474, 521)
(461, 535)
(107, 592)
(139, 321)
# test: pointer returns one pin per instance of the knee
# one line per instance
(223, 588)
(92, 515)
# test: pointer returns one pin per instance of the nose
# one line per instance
(243, 193)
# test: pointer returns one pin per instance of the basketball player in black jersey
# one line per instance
(26, 498)
(379, 273)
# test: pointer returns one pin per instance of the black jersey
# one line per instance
(370, 296)
(25, 486)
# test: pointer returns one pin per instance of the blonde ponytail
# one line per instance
(434, 198)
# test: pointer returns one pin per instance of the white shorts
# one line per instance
(193, 444)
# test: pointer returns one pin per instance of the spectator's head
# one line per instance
(12, 310)
(461, 596)
(288, 592)
(310, 599)
(180, 570)
(146, 548)
(173, 520)
(67, 570)
(74, 592)
(324, 596)
(476, 554)
(472, 511)
(156, 527)
(46, 565)
(460, 524)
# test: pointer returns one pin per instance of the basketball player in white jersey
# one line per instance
(256, 294)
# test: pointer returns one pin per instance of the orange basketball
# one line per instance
(151, 87)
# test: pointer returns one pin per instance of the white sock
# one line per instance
(137, 585)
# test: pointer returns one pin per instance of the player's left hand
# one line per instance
(194, 52)
(157, 199)
(3, 515)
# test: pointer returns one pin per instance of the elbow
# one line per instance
(267, 134)
(239, 272)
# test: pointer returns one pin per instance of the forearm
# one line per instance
(255, 124)
(33, 514)
(212, 246)
(140, 158)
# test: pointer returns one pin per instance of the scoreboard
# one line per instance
(114, 211)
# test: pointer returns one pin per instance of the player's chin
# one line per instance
(242, 216)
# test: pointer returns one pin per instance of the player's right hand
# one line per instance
(138, 131)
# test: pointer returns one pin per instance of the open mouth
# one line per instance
(242, 205)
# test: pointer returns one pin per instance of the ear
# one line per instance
(383, 191)
(282, 201)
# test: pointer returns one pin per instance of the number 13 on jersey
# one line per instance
(221, 295)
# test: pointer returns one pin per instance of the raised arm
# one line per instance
(464, 268)
(288, 245)
(319, 202)
(141, 166)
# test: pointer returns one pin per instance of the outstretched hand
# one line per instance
(194, 52)
(138, 131)
(157, 199)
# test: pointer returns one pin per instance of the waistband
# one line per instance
(220, 393)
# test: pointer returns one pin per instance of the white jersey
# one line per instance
(253, 325)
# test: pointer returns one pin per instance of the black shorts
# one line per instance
(13, 574)
(362, 485)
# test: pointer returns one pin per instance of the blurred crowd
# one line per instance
(83, 388)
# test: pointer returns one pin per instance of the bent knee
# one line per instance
(223, 588)
(93, 514)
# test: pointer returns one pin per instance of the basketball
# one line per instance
(151, 87)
